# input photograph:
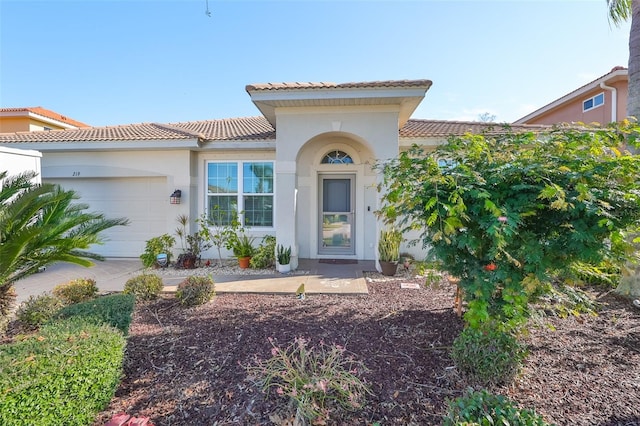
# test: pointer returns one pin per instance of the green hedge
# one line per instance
(114, 310)
(63, 375)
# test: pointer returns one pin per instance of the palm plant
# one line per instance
(619, 12)
(41, 224)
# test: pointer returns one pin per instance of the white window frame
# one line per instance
(593, 102)
(240, 194)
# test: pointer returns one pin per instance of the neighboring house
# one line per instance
(604, 100)
(303, 171)
(34, 119)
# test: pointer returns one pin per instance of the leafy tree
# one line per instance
(42, 224)
(506, 212)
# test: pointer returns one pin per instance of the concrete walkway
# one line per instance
(112, 274)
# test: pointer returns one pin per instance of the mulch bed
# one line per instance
(187, 366)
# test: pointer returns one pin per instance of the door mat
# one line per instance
(339, 261)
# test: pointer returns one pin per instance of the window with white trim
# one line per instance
(245, 187)
(593, 102)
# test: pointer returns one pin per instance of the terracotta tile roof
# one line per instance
(129, 132)
(440, 128)
(329, 85)
(48, 114)
(238, 129)
(246, 128)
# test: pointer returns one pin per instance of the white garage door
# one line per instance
(141, 200)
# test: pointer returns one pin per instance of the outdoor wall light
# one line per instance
(175, 197)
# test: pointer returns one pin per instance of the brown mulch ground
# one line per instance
(187, 366)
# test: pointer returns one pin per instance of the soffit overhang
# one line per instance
(406, 95)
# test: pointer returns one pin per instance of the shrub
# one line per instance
(144, 287)
(483, 408)
(506, 211)
(488, 355)
(195, 291)
(76, 291)
(155, 246)
(114, 310)
(63, 375)
(315, 379)
(37, 310)
(264, 256)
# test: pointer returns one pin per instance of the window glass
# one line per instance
(337, 157)
(598, 100)
(593, 102)
(253, 199)
(258, 210)
(223, 178)
(258, 178)
(588, 104)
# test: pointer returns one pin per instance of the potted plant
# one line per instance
(284, 259)
(242, 246)
(389, 250)
(192, 245)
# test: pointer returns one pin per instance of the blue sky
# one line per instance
(120, 62)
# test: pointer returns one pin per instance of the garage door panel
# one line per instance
(141, 200)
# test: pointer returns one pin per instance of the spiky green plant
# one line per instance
(41, 224)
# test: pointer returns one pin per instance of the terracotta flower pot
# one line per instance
(243, 262)
(389, 268)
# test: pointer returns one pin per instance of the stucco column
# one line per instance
(285, 208)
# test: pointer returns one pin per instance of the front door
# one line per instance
(337, 213)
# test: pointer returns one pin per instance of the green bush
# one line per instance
(63, 375)
(114, 310)
(37, 310)
(485, 409)
(155, 246)
(487, 355)
(144, 287)
(195, 291)
(264, 257)
(76, 291)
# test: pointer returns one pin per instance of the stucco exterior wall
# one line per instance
(142, 178)
(304, 136)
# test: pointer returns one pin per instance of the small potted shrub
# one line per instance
(284, 259)
(389, 250)
(243, 249)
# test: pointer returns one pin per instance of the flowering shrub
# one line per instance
(506, 211)
(195, 290)
(76, 291)
(317, 379)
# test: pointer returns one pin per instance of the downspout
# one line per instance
(614, 101)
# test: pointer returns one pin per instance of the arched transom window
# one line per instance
(337, 157)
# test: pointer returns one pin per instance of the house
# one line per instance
(604, 100)
(302, 171)
(34, 119)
